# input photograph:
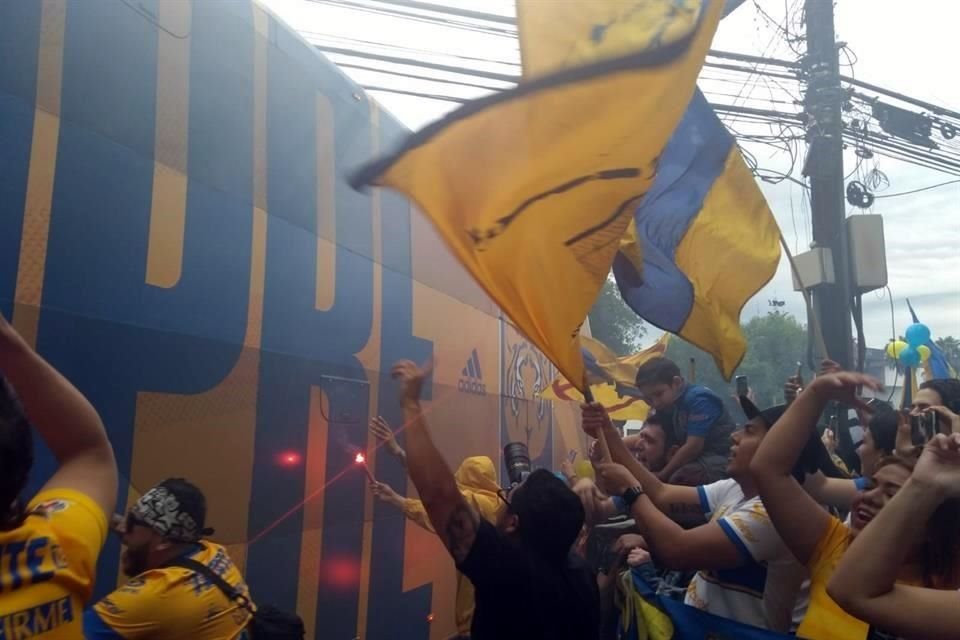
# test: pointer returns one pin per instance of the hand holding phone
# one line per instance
(743, 386)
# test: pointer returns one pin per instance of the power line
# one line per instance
(912, 191)
(491, 75)
(415, 76)
(456, 11)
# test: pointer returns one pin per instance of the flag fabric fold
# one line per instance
(646, 615)
(532, 188)
(612, 379)
(703, 240)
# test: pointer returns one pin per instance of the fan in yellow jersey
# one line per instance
(48, 547)
(161, 600)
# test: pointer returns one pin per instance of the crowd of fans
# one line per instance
(760, 525)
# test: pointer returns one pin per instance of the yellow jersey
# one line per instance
(47, 566)
(173, 603)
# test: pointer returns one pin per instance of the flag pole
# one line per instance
(601, 437)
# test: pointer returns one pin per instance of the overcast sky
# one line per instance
(908, 47)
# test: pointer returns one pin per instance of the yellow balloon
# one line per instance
(924, 352)
(894, 348)
(583, 469)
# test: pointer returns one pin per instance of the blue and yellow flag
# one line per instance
(703, 240)
(612, 378)
(645, 615)
(532, 188)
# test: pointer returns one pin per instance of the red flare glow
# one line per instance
(289, 458)
(360, 458)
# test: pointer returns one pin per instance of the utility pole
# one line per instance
(824, 167)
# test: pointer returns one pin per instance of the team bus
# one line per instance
(177, 236)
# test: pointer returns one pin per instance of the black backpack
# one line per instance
(267, 622)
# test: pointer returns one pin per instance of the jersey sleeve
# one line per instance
(830, 547)
(81, 529)
(750, 529)
(703, 411)
(714, 494)
(134, 611)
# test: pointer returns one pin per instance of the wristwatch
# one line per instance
(630, 496)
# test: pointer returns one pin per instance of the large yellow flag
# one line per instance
(612, 379)
(532, 188)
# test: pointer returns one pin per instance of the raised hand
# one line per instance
(594, 417)
(411, 378)
(904, 446)
(381, 429)
(637, 557)
(385, 493)
(616, 477)
(829, 441)
(791, 388)
(828, 366)
(939, 465)
(946, 417)
(842, 387)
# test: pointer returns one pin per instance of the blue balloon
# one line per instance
(917, 334)
(910, 357)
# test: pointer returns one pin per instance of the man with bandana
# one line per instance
(162, 599)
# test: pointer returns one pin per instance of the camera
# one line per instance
(923, 427)
(516, 457)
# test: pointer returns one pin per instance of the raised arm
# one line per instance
(865, 580)
(833, 492)
(452, 518)
(381, 429)
(66, 421)
(679, 502)
(703, 547)
(799, 520)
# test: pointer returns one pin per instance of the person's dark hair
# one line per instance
(551, 515)
(948, 389)
(940, 548)
(883, 428)
(191, 499)
(16, 456)
(657, 371)
(664, 420)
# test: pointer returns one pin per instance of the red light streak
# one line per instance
(297, 507)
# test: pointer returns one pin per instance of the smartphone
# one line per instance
(743, 386)
(923, 427)
(800, 373)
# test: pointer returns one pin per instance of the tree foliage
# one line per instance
(615, 324)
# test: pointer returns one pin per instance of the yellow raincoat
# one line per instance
(477, 480)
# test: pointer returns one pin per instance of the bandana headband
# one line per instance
(159, 509)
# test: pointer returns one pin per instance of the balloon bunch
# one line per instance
(915, 350)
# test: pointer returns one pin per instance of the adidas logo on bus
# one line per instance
(471, 380)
